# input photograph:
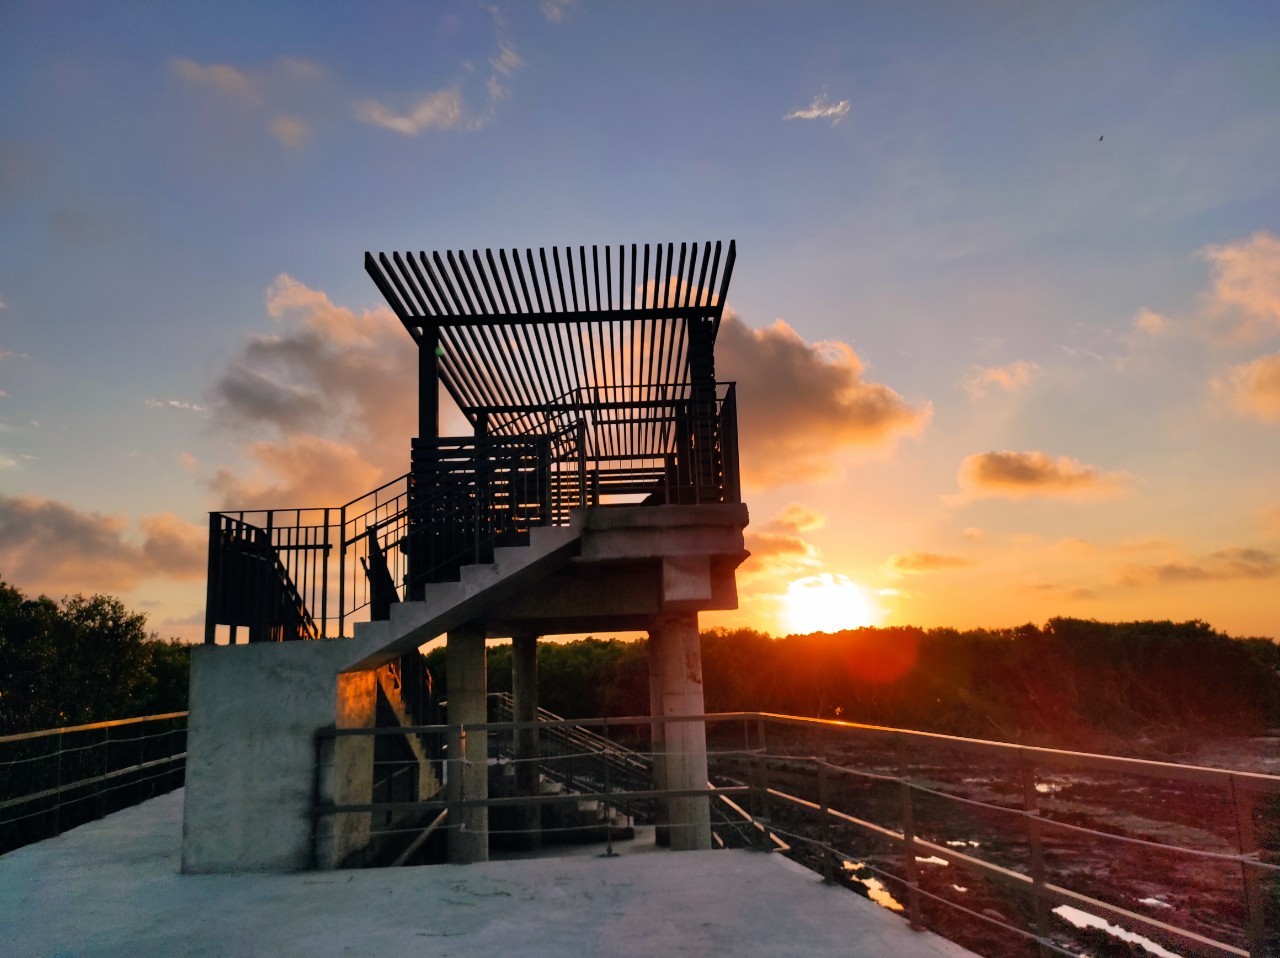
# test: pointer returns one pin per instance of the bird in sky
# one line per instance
(1100, 138)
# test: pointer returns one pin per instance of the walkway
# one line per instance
(113, 888)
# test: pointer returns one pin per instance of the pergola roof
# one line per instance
(578, 327)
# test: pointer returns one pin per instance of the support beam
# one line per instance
(524, 687)
(679, 650)
(429, 383)
(468, 756)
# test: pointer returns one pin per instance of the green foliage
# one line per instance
(1073, 683)
(84, 660)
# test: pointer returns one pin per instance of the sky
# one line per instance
(1005, 318)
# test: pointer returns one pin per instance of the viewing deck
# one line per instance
(112, 887)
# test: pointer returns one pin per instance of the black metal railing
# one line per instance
(286, 574)
(1007, 849)
(56, 779)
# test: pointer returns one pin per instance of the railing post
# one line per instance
(1247, 842)
(342, 572)
(824, 810)
(908, 838)
(1031, 810)
(57, 801)
(324, 580)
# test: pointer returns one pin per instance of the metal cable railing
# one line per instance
(56, 779)
(893, 816)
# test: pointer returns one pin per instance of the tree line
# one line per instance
(82, 660)
(1072, 683)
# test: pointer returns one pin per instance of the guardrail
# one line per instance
(56, 779)
(1029, 850)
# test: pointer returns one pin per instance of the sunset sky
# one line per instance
(1005, 317)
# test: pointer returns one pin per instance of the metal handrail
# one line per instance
(819, 809)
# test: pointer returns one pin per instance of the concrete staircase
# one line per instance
(447, 605)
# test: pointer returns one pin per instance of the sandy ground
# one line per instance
(113, 888)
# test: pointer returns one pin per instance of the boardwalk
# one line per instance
(112, 888)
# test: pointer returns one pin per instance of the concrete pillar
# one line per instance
(524, 687)
(352, 772)
(680, 652)
(467, 689)
(658, 736)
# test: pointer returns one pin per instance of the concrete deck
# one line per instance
(113, 888)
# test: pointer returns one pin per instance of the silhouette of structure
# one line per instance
(598, 491)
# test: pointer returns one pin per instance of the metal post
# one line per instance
(324, 580)
(824, 826)
(608, 788)
(1247, 841)
(57, 802)
(909, 839)
(342, 571)
(1031, 806)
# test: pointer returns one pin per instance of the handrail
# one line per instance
(804, 782)
(45, 732)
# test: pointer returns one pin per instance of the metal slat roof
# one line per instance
(579, 327)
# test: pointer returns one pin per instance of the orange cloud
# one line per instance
(49, 546)
(1010, 378)
(778, 548)
(916, 563)
(334, 392)
(1245, 297)
(1230, 563)
(1021, 475)
(1253, 389)
(1151, 323)
(800, 404)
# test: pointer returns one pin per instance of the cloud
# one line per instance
(275, 92)
(1225, 564)
(1253, 389)
(801, 404)
(331, 399)
(289, 130)
(219, 77)
(50, 546)
(554, 10)
(1150, 323)
(778, 548)
(438, 110)
(174, 404)
(915, 563)
(821, 109)
(1245, 298)
(1010, 378)
(973, 532)
(1021, 475)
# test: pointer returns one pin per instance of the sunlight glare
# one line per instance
(828, 603)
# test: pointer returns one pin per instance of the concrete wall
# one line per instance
(251, 754)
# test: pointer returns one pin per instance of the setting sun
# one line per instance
(827, 603)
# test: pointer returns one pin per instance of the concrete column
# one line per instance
(524, 686)
(467, 689)
(658, 735)
(680, 653)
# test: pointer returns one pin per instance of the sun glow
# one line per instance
(828, 603)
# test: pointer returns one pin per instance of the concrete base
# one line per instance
(251, 754)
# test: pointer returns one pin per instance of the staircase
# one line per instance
(481, 586)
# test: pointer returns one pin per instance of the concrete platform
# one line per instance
(113, 888)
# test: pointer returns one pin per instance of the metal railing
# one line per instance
(56, 779)
(1007, 849)
(309, 573)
